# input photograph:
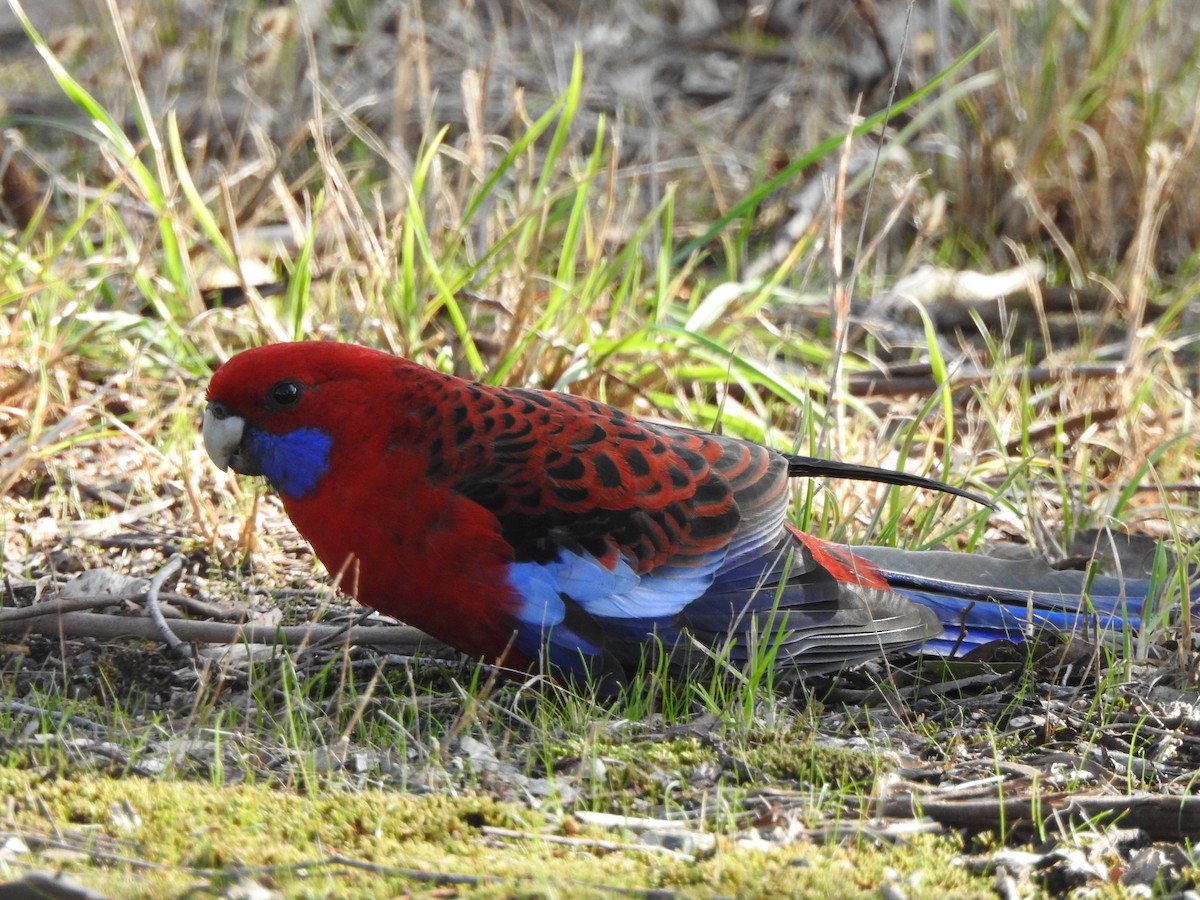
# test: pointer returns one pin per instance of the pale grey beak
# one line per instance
(222, 433)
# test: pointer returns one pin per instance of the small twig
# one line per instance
(590, 843)
(418, 875)
(962, 629)
(88, 848)
(197, 607)
(402, 639)
(170, 568)
(62, 605)
(629, 823)
(64, 718)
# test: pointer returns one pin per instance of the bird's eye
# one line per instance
(285, 393)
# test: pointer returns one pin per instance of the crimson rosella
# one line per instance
(537, 528)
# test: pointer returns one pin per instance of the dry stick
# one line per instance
(61, 605)
(1162, 817)
(394, 638)
(171, 567)
(590, 843)
(419, 875)
(99, 601)
(59, 842)
(16, 707)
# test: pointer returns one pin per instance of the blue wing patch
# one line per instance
(618, 602)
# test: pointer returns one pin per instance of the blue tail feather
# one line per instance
(979, 599)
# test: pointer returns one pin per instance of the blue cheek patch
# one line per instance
(293, 462)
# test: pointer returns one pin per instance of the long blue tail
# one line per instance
(979, 599)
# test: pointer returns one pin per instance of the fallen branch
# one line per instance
(1162, 817)
(61, 605)
(392, 638)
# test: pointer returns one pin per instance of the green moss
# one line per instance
(184, 833)
(783, 757)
